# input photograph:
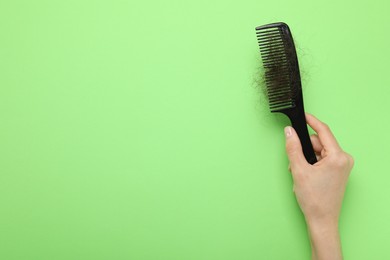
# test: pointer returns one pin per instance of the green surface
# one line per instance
(134, 130)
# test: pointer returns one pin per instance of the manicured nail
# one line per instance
(288, 131)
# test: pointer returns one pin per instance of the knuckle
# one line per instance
(351, 160)
(341, 160)
(325, 126)
(291, 148)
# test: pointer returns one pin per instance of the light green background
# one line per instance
(134, 129)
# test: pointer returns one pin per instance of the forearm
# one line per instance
(325, 240)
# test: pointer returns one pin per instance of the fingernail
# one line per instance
(288, 131)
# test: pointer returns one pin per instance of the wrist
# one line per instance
(324, 238)
(323, 223)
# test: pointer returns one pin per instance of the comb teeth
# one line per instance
(281, 72)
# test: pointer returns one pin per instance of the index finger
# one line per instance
(324, 133)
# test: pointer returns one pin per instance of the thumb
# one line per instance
(294, 148)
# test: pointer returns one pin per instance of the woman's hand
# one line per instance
(320, 188)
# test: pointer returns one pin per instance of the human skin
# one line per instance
(319, 188)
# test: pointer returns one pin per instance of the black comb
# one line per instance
(283, 80)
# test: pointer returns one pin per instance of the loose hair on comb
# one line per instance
(281, 68)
